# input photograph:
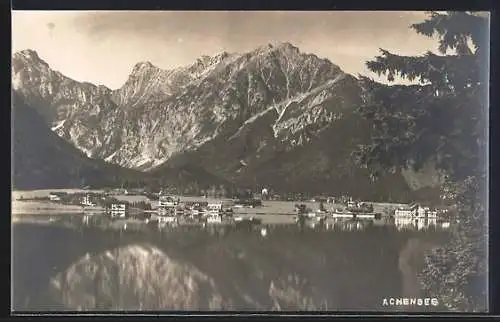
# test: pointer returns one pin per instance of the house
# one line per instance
(426, 212)
(214, 207)
(57, 196)
(351, 204)
(119, 207)
(167, 201)
(408, 211)
(415, 211)
(88, 201)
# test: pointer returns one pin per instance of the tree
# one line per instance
(442, 120)
(213, 191)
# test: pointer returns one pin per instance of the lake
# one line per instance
(77, 262)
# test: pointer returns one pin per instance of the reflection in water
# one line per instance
(419, 223)
(91, 263)
(145, 223)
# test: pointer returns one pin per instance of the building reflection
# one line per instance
(263, 229)
(419, 223)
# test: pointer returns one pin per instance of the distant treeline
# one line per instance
(150, 188)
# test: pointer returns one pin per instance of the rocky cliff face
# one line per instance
(243, 116)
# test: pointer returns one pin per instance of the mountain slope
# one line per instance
(41, 159)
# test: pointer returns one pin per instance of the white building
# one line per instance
(87, 201)
(415, 211)
(352, 204)
(214, 206)
(404, 212)
(119, 207)
(54, 197)
(426, 212)
(409, 211)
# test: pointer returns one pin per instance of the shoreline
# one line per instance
(47, 208)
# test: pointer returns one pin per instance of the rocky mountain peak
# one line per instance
(142, 67)
(279, 46)
(28, 54)
(205, 61)
(27, 57)
(283, 45)
(223, 55)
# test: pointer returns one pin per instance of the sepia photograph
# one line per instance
(249, 161)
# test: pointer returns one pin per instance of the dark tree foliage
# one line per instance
(443, 120)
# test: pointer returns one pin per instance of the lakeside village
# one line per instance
(251, 209)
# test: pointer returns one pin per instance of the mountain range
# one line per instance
(274, 116)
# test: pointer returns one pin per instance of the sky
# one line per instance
(102, 47)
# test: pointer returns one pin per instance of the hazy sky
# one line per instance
(102, 46)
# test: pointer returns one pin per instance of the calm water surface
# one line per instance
(76, 262)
